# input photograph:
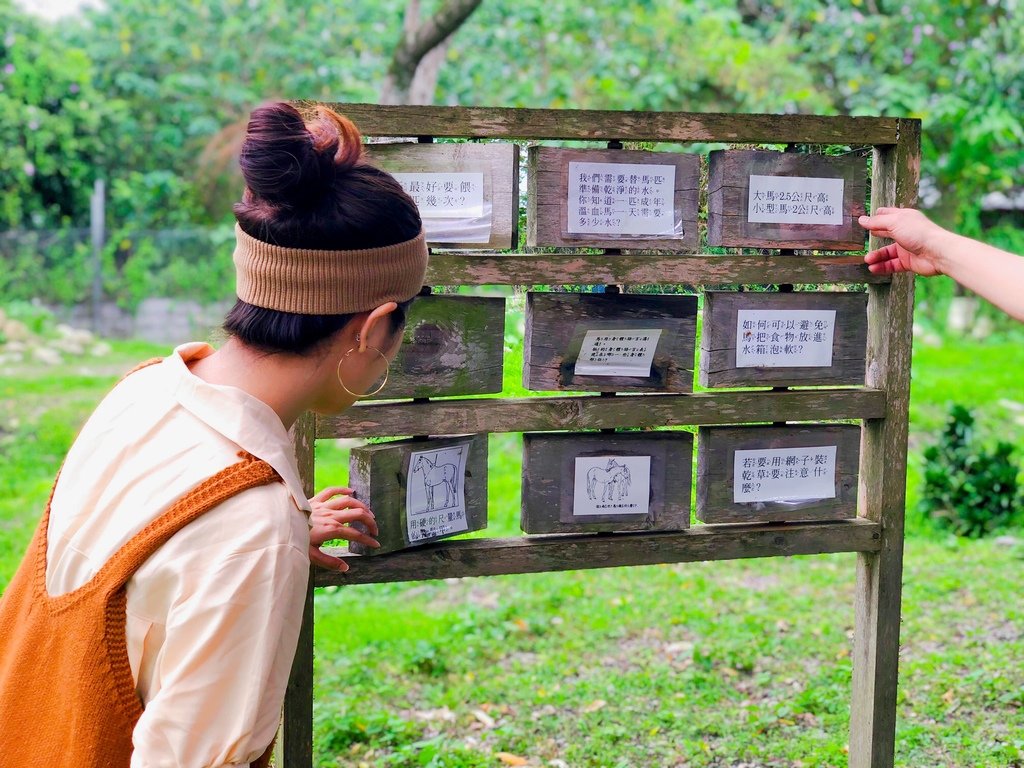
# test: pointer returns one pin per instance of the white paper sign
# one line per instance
(611, 485)
(621, 199)
(617, 353)
(785, 474)
(435, 494)
(795, 200)
(445, 195)
(784, 338)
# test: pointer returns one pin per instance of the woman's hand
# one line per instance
(334, 509)
(919, 245)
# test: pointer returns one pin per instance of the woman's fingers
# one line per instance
(321, 558)
(330, 530)
(880, 225)
(889, 266)
(348, 533)
(884, 253)
(345, 502)
(330, 491)
(346, 517)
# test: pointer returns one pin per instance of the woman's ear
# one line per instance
(378, 325)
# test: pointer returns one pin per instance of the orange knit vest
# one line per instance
(67, 697)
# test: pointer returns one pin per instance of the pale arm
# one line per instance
(925, 248)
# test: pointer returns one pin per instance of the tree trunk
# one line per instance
(412, 76)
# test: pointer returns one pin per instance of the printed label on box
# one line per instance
(621, 199)
(795, 200)
(445, 195)
(617, 353)
(435, 493)
(785, 474)
(611, 485)
(784, 338)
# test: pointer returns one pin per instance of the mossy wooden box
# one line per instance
(594, 482)
(494, 167)
(783, 339)
(453, 345)
(549, 208)
(784, 199)
(381, 474)
(777, 473)
(560, 326)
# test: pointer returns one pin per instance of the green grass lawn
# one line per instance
(715, 664)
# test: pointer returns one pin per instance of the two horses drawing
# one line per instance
(613, 479)
(438, 475)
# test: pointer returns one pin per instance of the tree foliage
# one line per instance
(137, 90)
(54, 125)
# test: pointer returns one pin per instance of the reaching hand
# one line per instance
(334, 509)
(918, 245)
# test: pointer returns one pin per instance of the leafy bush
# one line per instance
(56, 267)
(968, 488)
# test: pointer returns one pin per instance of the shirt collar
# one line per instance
(242, 418)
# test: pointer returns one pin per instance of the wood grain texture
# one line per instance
(533, 414)
(470, 268)
(549, 465)
(379, 475)
(557, 322)
(294, 745)
(499, 164)
(547, 200)
(607, 125)
(716, 447)
(537, 554)
(452, 345)
(718, 339)
(728, 188)
(876, 642)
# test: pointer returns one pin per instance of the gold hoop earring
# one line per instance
(387, 372)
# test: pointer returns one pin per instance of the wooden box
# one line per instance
(467, 193)
(453, 345)
(444, 478)
(565, 334)
(785, 200)
(777, 473)
(783, 339)
(642, 479)
(566, 210)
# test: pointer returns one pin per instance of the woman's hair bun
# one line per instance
(288, 161)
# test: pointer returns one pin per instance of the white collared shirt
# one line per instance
(213, 616)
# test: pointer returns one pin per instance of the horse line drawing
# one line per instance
(614, 480)
(435, 475)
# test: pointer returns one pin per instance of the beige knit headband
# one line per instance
(308, 281)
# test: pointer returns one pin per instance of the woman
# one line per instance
(154, 620)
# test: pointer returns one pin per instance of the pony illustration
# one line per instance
(614, 480)
(435, 475)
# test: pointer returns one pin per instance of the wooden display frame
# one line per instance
(547, 216)
(876, 534)
(452, 345)
(557, 323)
(718, 363)
(499, 164)
(729, 181)
(378, 473)
(715, 473)
(549, 481)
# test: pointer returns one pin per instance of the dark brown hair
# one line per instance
(307, 185)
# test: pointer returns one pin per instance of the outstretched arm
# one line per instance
(923, 247)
